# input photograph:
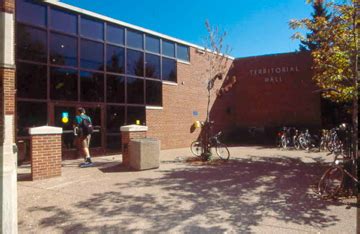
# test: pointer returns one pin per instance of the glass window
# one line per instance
(63, 21)
(115, 118)
(168, 48)
(135, 90)
(63, 50)
(31, 81)
(152, 66)
(114, 34)
(115, 59)
(115, 89)
(135, 39)
(183, 52)
(169, 69)
(92, 55)
(29, 12)
(153, 93)
(135, 113)
(67, 136)
(63, 84)
(152, 44)
(113, 142)
(135, 63)
(31, 43)
(92, 28)
(25, 120)
(91, 87)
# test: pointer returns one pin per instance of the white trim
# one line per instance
(154, 107)
(183, 61)
(45, 130)
(6, 39)
(169, 83)
(118, 22)
(133, 128)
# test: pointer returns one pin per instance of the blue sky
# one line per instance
(254, 27)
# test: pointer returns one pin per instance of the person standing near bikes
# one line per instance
(83, 129)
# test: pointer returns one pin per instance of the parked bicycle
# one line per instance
(201, 147)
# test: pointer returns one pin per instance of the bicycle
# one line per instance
(203, 146)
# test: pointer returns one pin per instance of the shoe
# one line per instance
(88, 160)
(86, 164)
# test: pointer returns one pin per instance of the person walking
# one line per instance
(83, 129)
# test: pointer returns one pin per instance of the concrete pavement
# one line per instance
(259, 190)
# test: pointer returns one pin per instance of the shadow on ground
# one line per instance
(239, 194)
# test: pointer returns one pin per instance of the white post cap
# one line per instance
(133, 128)
(45, 130)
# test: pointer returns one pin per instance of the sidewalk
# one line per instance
(259, 190)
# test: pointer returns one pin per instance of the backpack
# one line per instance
(86, 127)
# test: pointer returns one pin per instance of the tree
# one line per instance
(335, 61)
(319, 11)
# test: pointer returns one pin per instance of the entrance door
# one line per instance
(64, 116)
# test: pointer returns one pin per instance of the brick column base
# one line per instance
(127, 133)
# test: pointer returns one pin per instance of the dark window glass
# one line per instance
(115, 89)
(115, 59)
(31, 43)
(113, 142)
(169, 69)
(183, 52)
(92, 55)
(91, 87)
(114, 34)
(152, 44)
(30, 114)
(115, 118)
(135, 63)
(153, 93)
(63, 21)
(92, 28)
(68, 133)
(152, 66)
(135, 39)
(63, 84)
(135, 91)
(29, 12)
(31, 81)
(168, 48)
(135, 113)
(63, 50)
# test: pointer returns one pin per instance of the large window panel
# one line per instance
(152, 66)
(63, 84)
(115, 118)
(63, 21)
(30, 114)
(183, 52)
(135, 63)
(169, 70)
(29, 12)
(168, 48)
(115, 89)
(91, 87)
(63, 50)
(134, 114)
(115, 59)
(153, 93)
(31, 43)
(92, 55)
(92, 28)
(152, 44)
(114, 34)
(31, 81)
(135, 90)
(135, 39)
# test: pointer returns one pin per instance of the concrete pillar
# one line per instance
(8, 155)
(129, 132)
(45, 149)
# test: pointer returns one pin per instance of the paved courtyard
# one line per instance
(259, 190)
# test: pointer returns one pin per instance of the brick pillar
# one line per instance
(45, 149)
(127, 133)
(8, 155)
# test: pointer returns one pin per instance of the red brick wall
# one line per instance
(125, 139)
(45, 156)
(171, 125)
(7, 6)
(282, 94)
(7, 96)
